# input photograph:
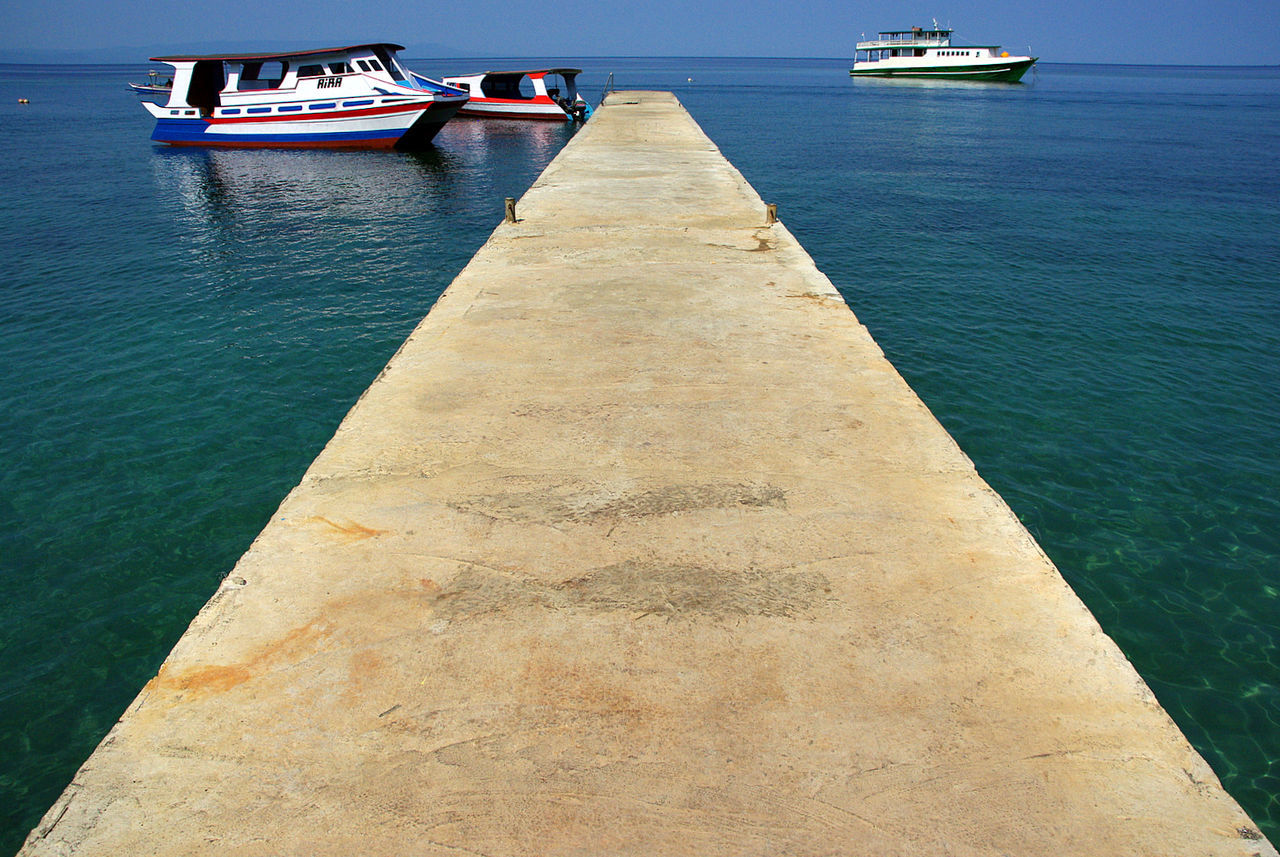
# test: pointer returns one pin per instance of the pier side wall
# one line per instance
(640, 546)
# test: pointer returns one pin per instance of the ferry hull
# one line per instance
(404, 129)
(1007, 72)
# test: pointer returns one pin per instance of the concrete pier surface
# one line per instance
(639, 546)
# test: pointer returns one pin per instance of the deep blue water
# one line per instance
(1080, 276)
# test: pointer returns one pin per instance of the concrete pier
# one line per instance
(639, 546)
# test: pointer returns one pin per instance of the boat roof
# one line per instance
(917, 31)
(528, 71)
(275, 55)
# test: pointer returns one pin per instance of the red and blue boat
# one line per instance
(544, 93)
(359, 96)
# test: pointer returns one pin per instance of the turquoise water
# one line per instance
(1080, 276)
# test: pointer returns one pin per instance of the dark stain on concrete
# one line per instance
(644, 588)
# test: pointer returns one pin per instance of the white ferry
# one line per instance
(929, 53)
(546, 93)
(358, 96)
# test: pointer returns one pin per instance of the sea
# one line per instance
(1080, 276)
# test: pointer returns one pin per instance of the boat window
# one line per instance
(207, 79)
(512, 86)
(339, 67)
(262, 75)
(315, 70)
(364, 66)
(389, 62)
(373, 64)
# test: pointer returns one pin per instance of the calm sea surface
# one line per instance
(1080, 276)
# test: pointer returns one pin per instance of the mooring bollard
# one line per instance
(770, 214)
(511, 210)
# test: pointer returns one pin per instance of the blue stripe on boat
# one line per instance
(195, 131)
(327, 105)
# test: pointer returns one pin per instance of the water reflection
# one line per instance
(472, 162)
(935, 83)
(221, 186)
(507, 138)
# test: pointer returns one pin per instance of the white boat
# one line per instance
(929, 54)
(546, 93)
(153, 87)
(359, 96)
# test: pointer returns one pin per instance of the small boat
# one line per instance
(929, 53)
(359, 96)
(153, 86)
(547, 93)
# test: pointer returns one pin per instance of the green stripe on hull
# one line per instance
(1009, 73)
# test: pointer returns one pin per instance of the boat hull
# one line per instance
(496, 109)
(1004, 72)
(403, 127)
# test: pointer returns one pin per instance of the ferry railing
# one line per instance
(897, 43)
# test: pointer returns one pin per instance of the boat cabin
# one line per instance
(902, 43)
(555, 83)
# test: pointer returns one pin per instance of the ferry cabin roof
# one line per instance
(915, 33)
(937, 37)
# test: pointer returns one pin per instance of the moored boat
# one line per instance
(925, 53)
(359, 96)
(547, 93)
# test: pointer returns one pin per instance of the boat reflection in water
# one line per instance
(366, 193)
(539, 140)
(365, 217)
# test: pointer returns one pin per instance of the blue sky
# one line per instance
(1219, 32)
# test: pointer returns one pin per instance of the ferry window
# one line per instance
(315, 70)
(339, 67)
(364, 66)
(373, 64)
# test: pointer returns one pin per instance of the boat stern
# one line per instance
(424, 129)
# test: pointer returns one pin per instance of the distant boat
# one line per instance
(929, 54)
(153, 86)
(358, 96)
(546, 93)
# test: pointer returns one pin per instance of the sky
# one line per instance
(1191, 32)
